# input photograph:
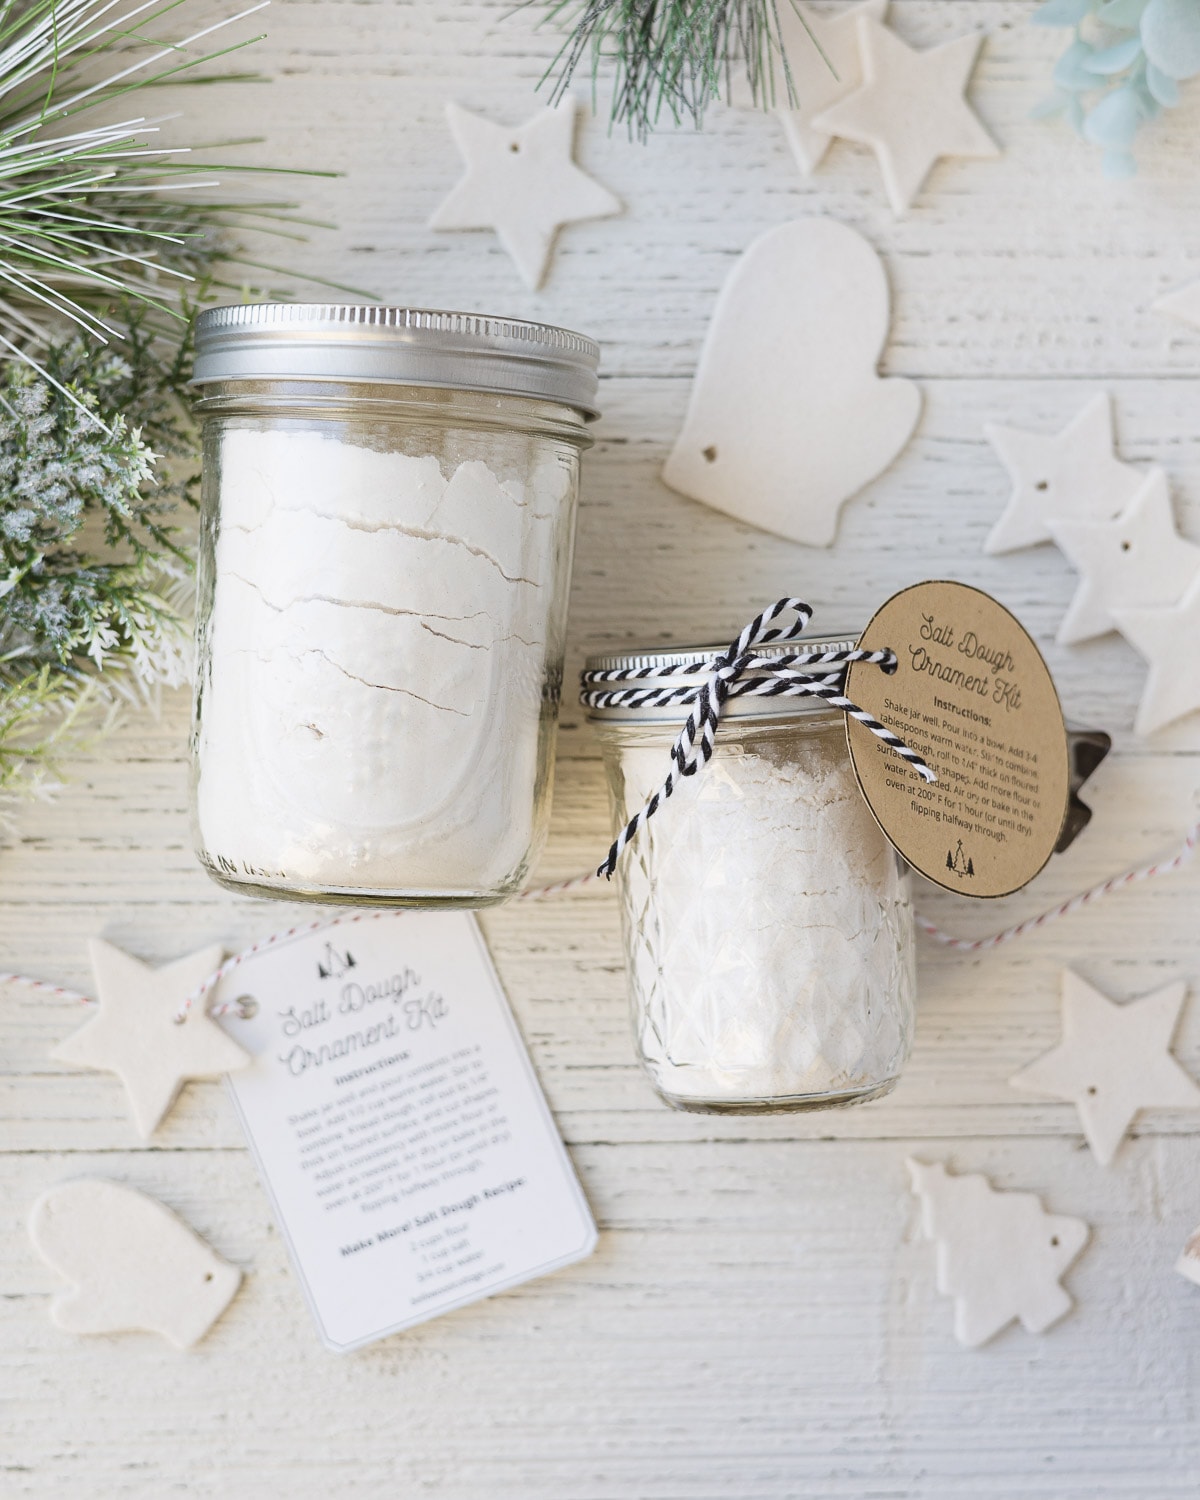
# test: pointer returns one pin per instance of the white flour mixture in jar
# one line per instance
(383, 600)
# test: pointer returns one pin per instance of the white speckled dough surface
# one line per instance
(760, 1318)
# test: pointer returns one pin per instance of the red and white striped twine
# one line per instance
(592, 878)
(1085, 898)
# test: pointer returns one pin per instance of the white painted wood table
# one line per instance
(760, 1317)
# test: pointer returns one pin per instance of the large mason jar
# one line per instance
(388, 519)
(768, 925)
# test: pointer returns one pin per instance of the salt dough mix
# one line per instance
(131, 1262)
(770, 944)
(379, 642)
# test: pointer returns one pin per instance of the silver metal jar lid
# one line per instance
(675, 657)
(396, 345)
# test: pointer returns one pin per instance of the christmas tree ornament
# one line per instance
(132, 1264)
(816, 65)
(1113, 1061)
(1074, 475)
(911, 108)
(1188, 1263)
(137, 1034)
(1165, 637)
(788, 415)
(1137, 559)
(523, 183)
(1000, 1255)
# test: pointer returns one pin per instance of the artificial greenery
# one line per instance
(675, 56)
(1122, 68)
(92, 211)
(91, 560)
(105, 240)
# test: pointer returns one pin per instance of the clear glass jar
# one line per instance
(384, 566)
(769, 936)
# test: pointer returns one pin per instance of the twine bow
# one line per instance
(774, 676)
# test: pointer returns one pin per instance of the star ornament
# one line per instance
(1113, 1061)
(1074, 475)
(523, 184)
(820, 55)
(1182, 303)
(1138, 559)
(911, 108)
(135, 1034)
(1167, 639)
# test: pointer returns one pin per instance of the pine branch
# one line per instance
(676, 56)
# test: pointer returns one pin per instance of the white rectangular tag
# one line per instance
(398, 1124)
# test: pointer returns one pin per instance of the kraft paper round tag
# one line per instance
(972, 695)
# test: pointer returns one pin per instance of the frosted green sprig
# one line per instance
(91, 566)
(1122, 69)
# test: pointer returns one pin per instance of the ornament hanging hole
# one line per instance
(247, 1007)
(709, 454)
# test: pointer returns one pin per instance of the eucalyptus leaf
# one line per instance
(1061, 12)
(1164, 89)
(1114, 121)
(1121, 14)
(1115, 59)
(1071, 72)
(1171, 36)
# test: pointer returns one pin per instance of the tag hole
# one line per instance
(179, 1020)
(514, 147)
(1091, 1088)
(1054, 1240)
(890, 668)
(208, 1275)
(247, 1007)
(1125, 546)
(1042, 484)
(709, 454)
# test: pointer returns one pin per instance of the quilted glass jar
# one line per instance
(768, 926)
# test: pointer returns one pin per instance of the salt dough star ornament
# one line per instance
(523, 184)
(1188, 1263)
(1183, 303)
(999, 1254)
(1167, 639)
(1137, 559)
(1113, 1061)
(911, 108)
(822, 58)
(135, 1033)
(1074, 475)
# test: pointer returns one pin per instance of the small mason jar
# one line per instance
(768, 926)
(387, 526)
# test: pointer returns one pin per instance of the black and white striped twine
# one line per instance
(788, 675)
